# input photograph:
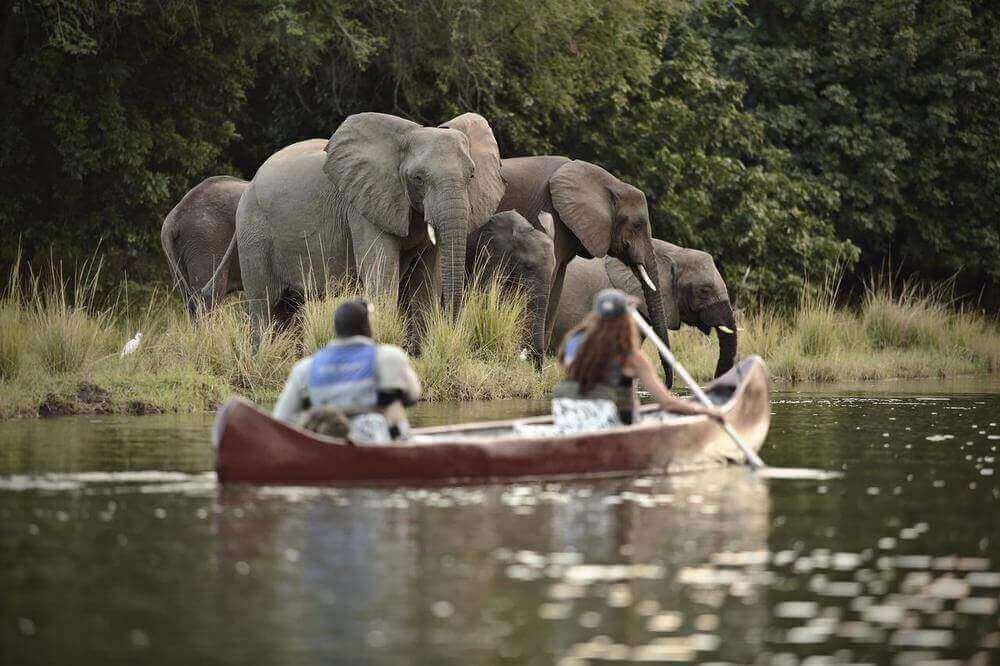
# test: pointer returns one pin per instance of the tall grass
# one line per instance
(898, 330)
(13, 336)
(67, 332)
(905, 317)
(12, 340)
(476, 354)
(57, 339)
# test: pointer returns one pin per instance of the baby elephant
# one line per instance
(196, 235)
(693, 293)
(517, 252)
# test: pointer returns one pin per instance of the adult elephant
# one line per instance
(595, 215)
(690, 284)
(383, 198)
(518, 253)
(196, 235)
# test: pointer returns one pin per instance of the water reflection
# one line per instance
(530, 569)
(116, 545)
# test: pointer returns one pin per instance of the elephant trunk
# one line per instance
(450, 220)
(657, 316)
(537, 306)
(720, 317)
(727, 351)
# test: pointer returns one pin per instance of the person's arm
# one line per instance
(396, 374)
(646, 373)
(289, 405)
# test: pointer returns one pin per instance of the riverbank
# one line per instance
(60, 353)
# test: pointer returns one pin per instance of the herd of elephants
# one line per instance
(417, 211)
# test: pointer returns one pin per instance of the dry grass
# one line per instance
(898, 331)
(13, 340)
(56, 341)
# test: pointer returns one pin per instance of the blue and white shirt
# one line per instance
(349, 373)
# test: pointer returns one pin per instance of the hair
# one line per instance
(606, 341)
(351, 318)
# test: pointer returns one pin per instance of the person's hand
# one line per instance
(713, 412)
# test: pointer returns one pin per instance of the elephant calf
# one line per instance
(511, 249)
(692, 287)
(196, 234)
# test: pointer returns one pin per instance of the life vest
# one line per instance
(343, 376)
(616, 387)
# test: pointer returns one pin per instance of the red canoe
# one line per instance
(251, 447)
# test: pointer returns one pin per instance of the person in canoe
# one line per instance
(602, 359)
(351, 388)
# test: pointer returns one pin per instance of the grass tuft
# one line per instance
(13, 340)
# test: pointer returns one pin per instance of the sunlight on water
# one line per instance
(872, 538)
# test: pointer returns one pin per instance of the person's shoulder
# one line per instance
(392, 353)
(302, 365)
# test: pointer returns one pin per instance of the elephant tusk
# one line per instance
(645, 277)
(725, 329)
(430, 234)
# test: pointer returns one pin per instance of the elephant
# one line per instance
(595, 215)
(688, 277)
(513, 250)
(385, 200)
(196, 234)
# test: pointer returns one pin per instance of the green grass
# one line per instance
(59, 348)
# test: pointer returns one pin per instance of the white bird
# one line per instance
(131, 345)
(524, 354)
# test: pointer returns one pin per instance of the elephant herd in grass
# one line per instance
(416, 212)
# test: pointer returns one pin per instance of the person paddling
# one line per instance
(352, 387)
(602, 359)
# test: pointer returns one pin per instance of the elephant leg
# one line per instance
(555, 293)
(200, 271)
(260, 281)
(419, 289)
(261, 302)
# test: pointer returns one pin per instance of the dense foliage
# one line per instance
(780, 135)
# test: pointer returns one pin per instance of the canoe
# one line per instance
(252, 447)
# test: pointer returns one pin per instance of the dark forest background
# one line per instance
(784, 136)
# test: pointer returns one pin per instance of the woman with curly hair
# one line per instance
(602, 358)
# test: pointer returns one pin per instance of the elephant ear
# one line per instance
(583, 195)
(362, 161)
(488, 186)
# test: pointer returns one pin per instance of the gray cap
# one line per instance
(610, 303)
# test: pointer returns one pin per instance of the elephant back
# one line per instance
(292, 175)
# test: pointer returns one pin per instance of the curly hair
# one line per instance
(606, 341)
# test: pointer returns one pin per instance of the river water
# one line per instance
(117, 546)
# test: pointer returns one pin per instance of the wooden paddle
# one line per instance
(752, 458)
